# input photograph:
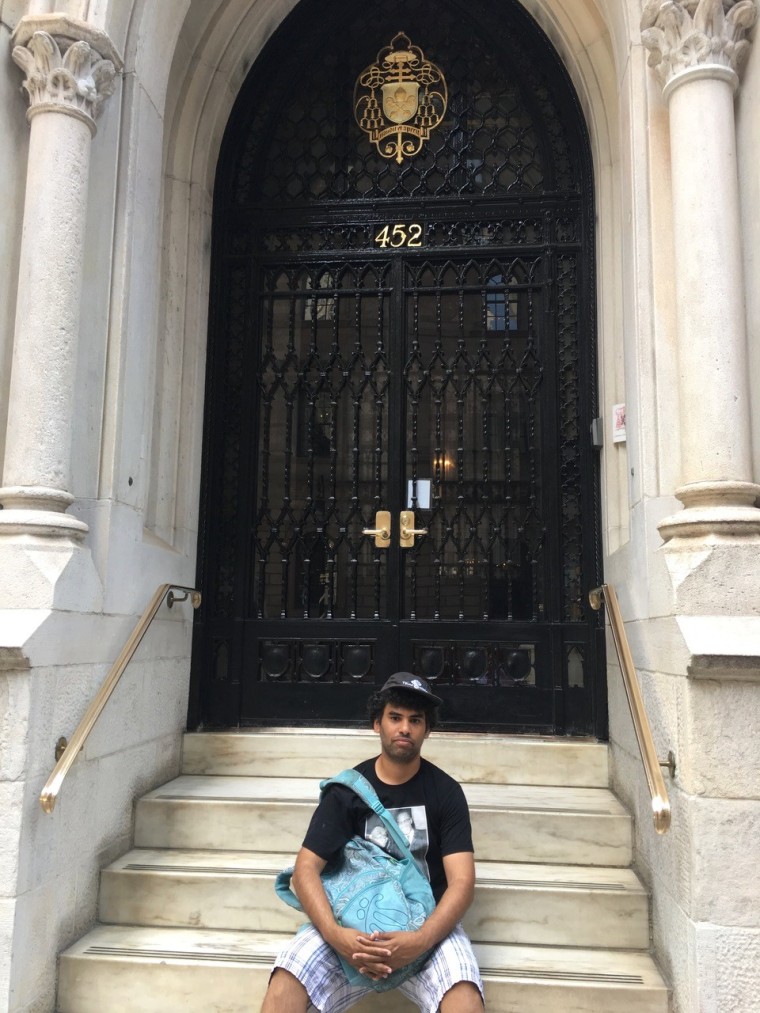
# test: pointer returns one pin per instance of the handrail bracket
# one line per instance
(670, 764)
(194, 596)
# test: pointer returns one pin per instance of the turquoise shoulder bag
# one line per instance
(370, 890)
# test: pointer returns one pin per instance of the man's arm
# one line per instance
(307, 886)
(384, 952)
(450, 909)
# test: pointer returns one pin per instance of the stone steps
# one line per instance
(514, 903)
(515, 823)
(154, 970)
(479, 759)
(191, 921)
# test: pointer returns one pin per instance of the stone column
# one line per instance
(697, 48)
(70, 68)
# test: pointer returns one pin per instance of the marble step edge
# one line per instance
(518, 834)
(305, 790)
(514, 903)
(505, 835)
(469, 757)
(522, 875)
(498, 961)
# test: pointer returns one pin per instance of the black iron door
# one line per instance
(398, 473)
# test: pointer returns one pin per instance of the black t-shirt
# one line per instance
(430, 809)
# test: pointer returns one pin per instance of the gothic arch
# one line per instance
(212, 47)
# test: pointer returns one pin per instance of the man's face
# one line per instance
(402, 731)
(406, 826)
(379, 836)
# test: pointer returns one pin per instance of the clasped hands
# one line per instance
(381, 953)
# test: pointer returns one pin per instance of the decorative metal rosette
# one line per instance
(400, 100)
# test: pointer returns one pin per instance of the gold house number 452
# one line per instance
(399, 235)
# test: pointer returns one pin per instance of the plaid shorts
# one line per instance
(316, 965)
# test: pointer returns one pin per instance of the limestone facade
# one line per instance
(105, 246)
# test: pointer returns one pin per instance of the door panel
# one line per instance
(473, 380)
(324, 394)
(399, 385)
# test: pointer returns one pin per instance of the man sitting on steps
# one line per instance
(307, 973)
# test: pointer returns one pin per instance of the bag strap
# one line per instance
(359, 784)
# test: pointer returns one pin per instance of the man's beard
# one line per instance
(402, 754)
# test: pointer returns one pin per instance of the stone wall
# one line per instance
(691, 610)
(704, 872)
(13, 150)
(67, 605)
(51, 863)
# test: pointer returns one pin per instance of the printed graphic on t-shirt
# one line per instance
(412, 822)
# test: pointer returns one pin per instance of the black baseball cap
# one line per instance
(412, 684)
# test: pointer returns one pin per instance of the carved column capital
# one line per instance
(696, 38)
(69, 66)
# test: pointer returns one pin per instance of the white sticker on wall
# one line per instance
(618, 423)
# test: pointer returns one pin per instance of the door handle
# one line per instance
(408, 530)
(381, 530)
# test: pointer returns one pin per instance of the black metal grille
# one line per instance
(323, 384)
(570, 436)
(454, 378)
(503, 133)
(236, 325)
(473, 380)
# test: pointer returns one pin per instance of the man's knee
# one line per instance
(285, 994)
(464, 997)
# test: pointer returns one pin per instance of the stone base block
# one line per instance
(721, 577)
(44, 573)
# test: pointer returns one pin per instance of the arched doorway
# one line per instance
(405, 334)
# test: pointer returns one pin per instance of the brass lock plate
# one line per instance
(381, 530)
(407, 531)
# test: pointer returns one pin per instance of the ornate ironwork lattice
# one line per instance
(236, 324)
(323, 447)
(570, 436)
(453, 377)
(503, 131)
(473, 380)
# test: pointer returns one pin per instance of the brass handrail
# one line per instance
(67, 752)
(657, 790)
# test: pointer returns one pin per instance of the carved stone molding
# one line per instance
(723, 508)
(70, 77)
(35, 510)
(687, 38)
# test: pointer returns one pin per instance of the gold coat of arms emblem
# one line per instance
(400, 99)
